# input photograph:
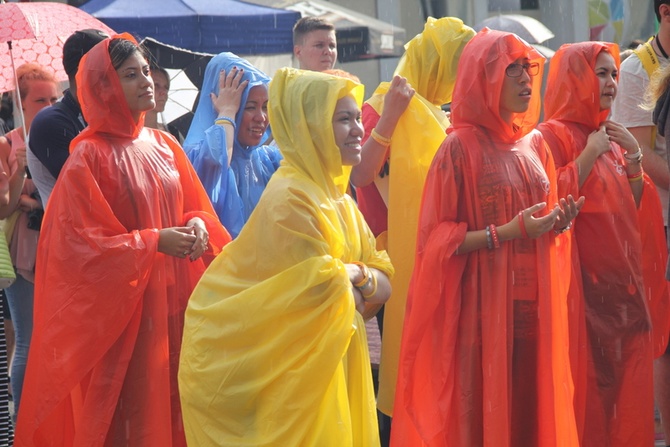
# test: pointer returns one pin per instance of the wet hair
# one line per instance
(29, 72)
(306, 25)
(121, 49)
(657, 7)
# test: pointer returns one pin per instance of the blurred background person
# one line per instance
(314, 44)
(56, 126)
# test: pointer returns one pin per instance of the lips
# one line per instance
(525, 92)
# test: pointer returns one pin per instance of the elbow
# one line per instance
(360, 177)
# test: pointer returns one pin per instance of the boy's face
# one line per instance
(318, 51)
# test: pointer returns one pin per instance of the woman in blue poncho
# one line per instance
(224, 142)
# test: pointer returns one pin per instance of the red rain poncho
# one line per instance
(109, 307)
(621, 279)
(484, 355)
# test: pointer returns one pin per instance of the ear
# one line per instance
(664, 10)
(297, 50)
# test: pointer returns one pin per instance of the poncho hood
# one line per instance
(205, 114)
(431, 58)
(301, 117)
(481, 72)
(575, 87)
(101, 96)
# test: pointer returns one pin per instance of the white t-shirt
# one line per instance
(626, 110)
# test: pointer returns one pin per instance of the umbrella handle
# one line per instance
(18, 93)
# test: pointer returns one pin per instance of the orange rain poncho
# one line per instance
(617, 401)
(109, 307)
(484, 354)
(429, 64)
(275, 353)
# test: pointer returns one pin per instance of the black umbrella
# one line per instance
(187, 70)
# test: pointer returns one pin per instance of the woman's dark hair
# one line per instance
(122, 49)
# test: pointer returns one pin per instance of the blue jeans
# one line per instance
(20, 299)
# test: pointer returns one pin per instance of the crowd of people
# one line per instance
(215, 291)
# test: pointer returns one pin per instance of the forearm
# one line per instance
(16, 181)
(478, 239)
(656, 168)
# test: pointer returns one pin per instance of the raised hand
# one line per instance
(231, 87)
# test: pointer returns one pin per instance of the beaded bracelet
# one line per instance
(225, 120)
(522, 226)
(564, 229)
(489, 240)
(494, 236)
(382, 141)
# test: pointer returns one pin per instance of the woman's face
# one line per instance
(161, 87)
(516, 90)
(137, 84)
(40, 94)
(607, 73)
(254, 117)
(348, 130)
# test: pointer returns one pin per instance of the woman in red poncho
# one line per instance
(484, 356)
(124, 240)
(621, 267)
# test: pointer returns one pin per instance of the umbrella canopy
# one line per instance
(36, 32)
(202, 25)
(186, 69)
(529, 29)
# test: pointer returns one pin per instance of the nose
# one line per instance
(260, 116)
(357, 129)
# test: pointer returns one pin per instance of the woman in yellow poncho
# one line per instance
(423, 82)
(275, 352)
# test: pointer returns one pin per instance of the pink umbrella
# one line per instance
(36, 32)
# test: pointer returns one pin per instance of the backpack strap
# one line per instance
(650, 64)
(648, 57)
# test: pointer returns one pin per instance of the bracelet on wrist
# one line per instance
(366, 275)
(494, 236)
(225, 120)
(632, 178)
(489, 239)
(635, 157)
(373, 286)
(564, 229)
(382, 141)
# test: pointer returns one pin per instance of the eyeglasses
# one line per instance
(515, 70)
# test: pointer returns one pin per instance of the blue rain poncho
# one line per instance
(234, 189)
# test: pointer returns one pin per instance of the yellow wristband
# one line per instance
(366, 274)
(374, 287)
(382, 141)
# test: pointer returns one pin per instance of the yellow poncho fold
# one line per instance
(429, 64)
(274, 351)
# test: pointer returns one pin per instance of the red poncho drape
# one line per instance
(621, 269)
(484, 354)
(109, 308)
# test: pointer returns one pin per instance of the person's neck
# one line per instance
(662, 42)
(151, 120)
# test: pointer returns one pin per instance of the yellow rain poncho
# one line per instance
(429, 65)
(274, 352)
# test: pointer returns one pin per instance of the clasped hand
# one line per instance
(191, 240)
